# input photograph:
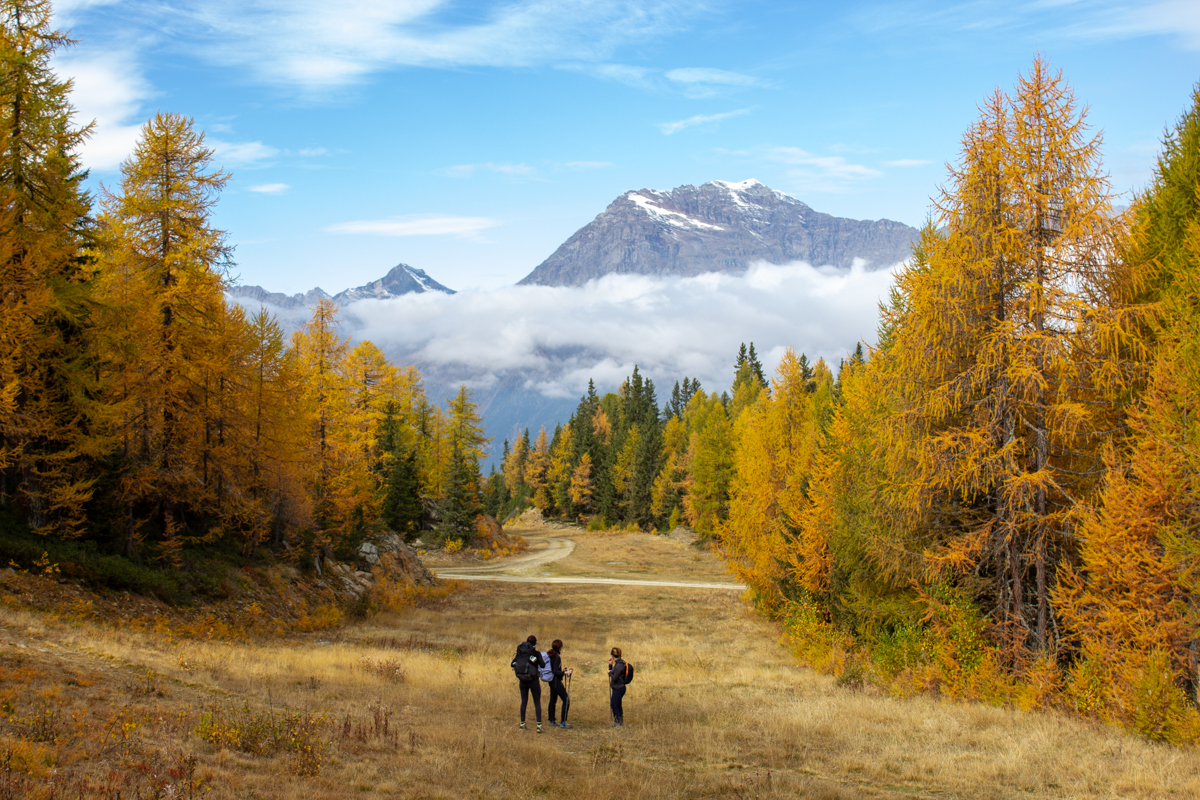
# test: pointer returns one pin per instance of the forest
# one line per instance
(145, 423)
(998, 501)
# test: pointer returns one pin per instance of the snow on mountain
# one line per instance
(401, 280)
(720, 226)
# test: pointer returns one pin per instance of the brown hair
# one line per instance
(532, 639)
(615, 652)
(556, 646)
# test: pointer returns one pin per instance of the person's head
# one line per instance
(556, 646)
(615, 652)
(532, 639)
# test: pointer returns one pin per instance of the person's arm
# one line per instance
(556, 665)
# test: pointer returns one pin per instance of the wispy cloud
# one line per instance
(588, 164)
(111, 91)
(708, 82)
(1174, 18)
(512, 170)
(269, 188)
(1040, 21)
(637, 77)
(309, 152)
(421, 225)
(669, 128)
(241, 153)
(819, 173)
(908, 162)
(318, 45)
(706, 75)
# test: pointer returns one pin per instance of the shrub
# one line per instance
(266, 733)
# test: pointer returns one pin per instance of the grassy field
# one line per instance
(422, 704)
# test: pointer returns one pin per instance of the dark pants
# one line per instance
(557, 690)
(534, 686)
(618, 694)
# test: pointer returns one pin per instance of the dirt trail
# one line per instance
(545, 550)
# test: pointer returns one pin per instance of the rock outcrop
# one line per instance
(387, 556)
(717, 227)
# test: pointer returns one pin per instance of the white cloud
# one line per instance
(556, 338)
(669, 128)
(717, 76)
(319, 45)
(241, 153)
(110, 90)
(417, 226)
(1179, 18)
(588, 164)
(309, 152)
(270, 188)
(819, 173)
(908, 162)
(637, 77)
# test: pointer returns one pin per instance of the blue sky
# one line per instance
(470, 139)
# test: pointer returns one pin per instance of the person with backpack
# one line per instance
(526, 665)
(620, 674)
(557, 690)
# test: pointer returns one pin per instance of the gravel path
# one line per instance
(518, 569)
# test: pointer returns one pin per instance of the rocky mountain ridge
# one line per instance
(719, 226)
(401, 279)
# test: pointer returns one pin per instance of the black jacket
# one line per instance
(556, 665)
(616, 674)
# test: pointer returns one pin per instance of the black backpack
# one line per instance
(525, 663)
(628, 673)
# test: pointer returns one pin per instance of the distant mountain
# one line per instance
(402, 279)
(717, 227)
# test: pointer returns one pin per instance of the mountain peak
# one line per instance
(400, 280)
(719, 226)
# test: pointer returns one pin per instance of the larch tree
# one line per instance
(995, 356)
(50, 417)
(321, 354)
(163, 237)
(1132, 603)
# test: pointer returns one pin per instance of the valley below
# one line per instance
(421, 703)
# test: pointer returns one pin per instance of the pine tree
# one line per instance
(462, 494)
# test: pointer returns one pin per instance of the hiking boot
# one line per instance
(522, 726)
(552, 724)
(565, 725)
(540, 729)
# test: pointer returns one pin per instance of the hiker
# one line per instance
(526, 665)
(616, 683)
(557, 690)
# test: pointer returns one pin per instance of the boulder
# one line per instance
(682, 534)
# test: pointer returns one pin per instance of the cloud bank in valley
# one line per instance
(553, 339)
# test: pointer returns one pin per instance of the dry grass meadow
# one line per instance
(422, 704)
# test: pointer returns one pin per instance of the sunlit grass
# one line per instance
(422, 704)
